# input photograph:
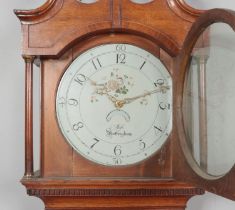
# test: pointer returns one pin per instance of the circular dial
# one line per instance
(114, 104)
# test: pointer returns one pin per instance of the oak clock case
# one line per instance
(126, 112)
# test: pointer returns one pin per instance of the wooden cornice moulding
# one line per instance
(178, 6)
(58, 24)
(184, 11)
(113, 187)
(29, 16)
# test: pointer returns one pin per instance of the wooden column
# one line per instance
(29, 171)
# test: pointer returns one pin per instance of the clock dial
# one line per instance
(114, 104)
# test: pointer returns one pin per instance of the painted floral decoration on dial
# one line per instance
(117, 85)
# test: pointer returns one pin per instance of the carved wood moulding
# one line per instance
(111, 187)
(115, 192)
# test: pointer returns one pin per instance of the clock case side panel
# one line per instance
(58, 157)
(182, 159)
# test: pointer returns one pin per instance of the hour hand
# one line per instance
(104, 92)
(101, 89)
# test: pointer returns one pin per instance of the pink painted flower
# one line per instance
(113, 85)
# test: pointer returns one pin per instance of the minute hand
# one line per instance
(162, 89)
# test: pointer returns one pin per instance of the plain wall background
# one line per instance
(12, 193)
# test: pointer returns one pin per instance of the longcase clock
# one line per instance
(126, 103)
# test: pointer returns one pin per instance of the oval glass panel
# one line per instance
(209, 101)
(87, 1)
(142, 1)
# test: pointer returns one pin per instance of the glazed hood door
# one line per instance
(204, 114)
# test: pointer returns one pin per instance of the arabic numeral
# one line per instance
(121, 58)
(96, 63)
(158, 128)
(118, 150)
(159, 82)
(121, 47)
(142, 144)
(96, 142)
(78, 126)
(117, 161)
(163, 106)
(72, 102)
(142, 65)
(80, 79)
(62, 101)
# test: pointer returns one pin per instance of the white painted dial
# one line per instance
(114, 104)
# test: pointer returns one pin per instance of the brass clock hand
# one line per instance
(104, 92)
(120, 103)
